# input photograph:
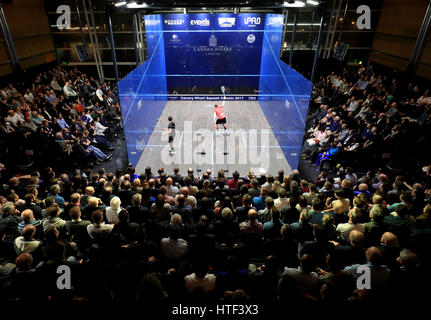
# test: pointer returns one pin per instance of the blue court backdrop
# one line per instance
(213, 50)
(192, 55)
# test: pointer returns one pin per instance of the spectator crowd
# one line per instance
(64, 114)
(164, 236)
(365, 119)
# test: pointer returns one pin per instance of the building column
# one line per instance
(111, 37)
(135, 37)
(316, 54)
(9, 40)
(420, 40)
(292, 44)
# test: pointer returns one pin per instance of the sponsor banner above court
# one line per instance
(213, 98)
(200, 45)
(222, 21)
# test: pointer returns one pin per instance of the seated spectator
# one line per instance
(177, 220)
(380, 274)
(233, 183)
(408, 278)
(125, 228)
(352, 252)
(302, 204)
(303, 229)
(264, 215)
(226, 226)
(311, 194)
(168, 199)
(53, 219)
(202, 242)
(164, 210)
(68, 90)
(29, 204)
(113, 210)
(171, 189)
(137, 213)
(390, 249)
(98, 230)
(375, 227)
(241, 212)
(55, 190)
(318, 138)
(281, 202)
(89, 192)
(264, 279)
(126, 193)
(74, 201)
(351, 176)
(189, 199)
(25, 276)
(285, 249)
(304, 277)
(271, 229)
(251, 227)
(259, 202)
(93, 205)
(327, 155)
(363, 189)
(173, 248)
(399, 222)
(254, 191)
(9, 220)
(77, 228)
(339, 206)
(321, 245)
(344, 229)
(27, 244)
(316, 214)
(28, 219)
(200, 279)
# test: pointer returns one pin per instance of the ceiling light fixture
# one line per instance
(134, 5)
(296, 4)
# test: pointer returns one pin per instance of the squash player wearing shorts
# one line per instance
(220, 118)
(171, 134)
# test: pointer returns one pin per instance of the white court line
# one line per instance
(282, 147)
(243, 138)
(179, 145)
(181, 139)
(159, 145)
(212, 152)
(151, 131)
(212, 143)
(204, 131)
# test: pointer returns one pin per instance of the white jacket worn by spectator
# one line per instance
(68, 91)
